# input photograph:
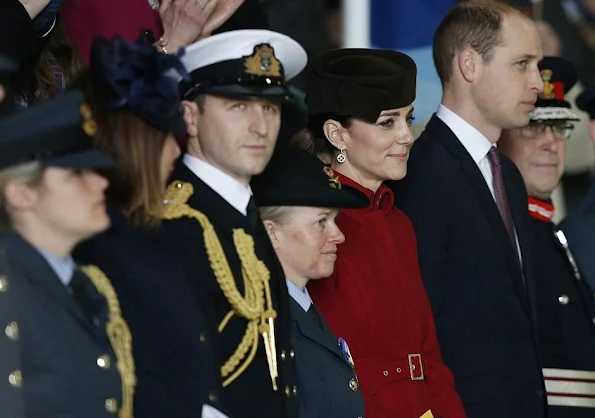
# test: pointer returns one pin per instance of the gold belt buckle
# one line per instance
(412, 367)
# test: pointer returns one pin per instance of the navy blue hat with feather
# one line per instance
(142, 79)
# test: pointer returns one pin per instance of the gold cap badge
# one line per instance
(548, 87)
(89, 124)
(263, 62)
(333, 180)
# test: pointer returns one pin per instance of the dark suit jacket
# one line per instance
(56, 347)
(579, 228)
(482, 302)
(252, 393)
(174, 359)
(324, 376)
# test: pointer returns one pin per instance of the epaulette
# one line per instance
(176, 200)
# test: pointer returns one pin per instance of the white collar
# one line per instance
(476, 144)
(234, 192)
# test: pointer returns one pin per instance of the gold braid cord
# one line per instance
(256, 306)
(119, 336)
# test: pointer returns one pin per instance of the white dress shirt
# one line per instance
(234, 192)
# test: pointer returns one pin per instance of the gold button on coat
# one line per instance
(353, 385)
(111, 405)
(3, 284)
(564, 299)
(283, 355)
(16, 379)
(202, 337)
(12, 331)
(104, 361)
(292, 354)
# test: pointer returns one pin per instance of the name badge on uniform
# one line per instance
(346, 352)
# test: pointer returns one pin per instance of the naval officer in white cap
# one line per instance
(233, 111)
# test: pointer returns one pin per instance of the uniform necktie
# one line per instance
(500, 194)
(81, 296)
(315, 315)
(252, 212)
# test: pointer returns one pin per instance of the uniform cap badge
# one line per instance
(549, 92)
(333, 181)
(89, 124)
(263, 62)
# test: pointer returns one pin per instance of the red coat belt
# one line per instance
(373, 373)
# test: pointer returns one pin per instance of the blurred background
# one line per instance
(567, 28)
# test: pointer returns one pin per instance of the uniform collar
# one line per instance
(302, 297)
(234, 192)
(381, 200)
(541, 210)
(64, 268)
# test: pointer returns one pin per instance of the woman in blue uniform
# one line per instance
(138, 113)
(299, 216)
(56, 357)
(564, 302)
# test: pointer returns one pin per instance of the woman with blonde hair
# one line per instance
(57, 318)
(299, 214)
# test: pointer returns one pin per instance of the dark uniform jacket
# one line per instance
(172, 347)
(54, 362)
(483, 303)
(579, 228)
(327, 382)
(566, 311)
(251, 394)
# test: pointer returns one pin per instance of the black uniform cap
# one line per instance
(58, 132)
(295, 177)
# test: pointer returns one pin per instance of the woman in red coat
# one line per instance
(360, 104)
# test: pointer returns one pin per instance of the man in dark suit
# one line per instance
(65, 350)
(234, 96)
(565, 304)
(579, 226)
(469, 209)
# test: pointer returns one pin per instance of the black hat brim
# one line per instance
(345, 198)
(92, 159)
(251, 92)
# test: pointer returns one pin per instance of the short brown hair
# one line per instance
(474, 23)
(135, 183)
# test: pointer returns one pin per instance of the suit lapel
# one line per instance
(306, 326)
(39, 274)
(484, 197)
(520, 217)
